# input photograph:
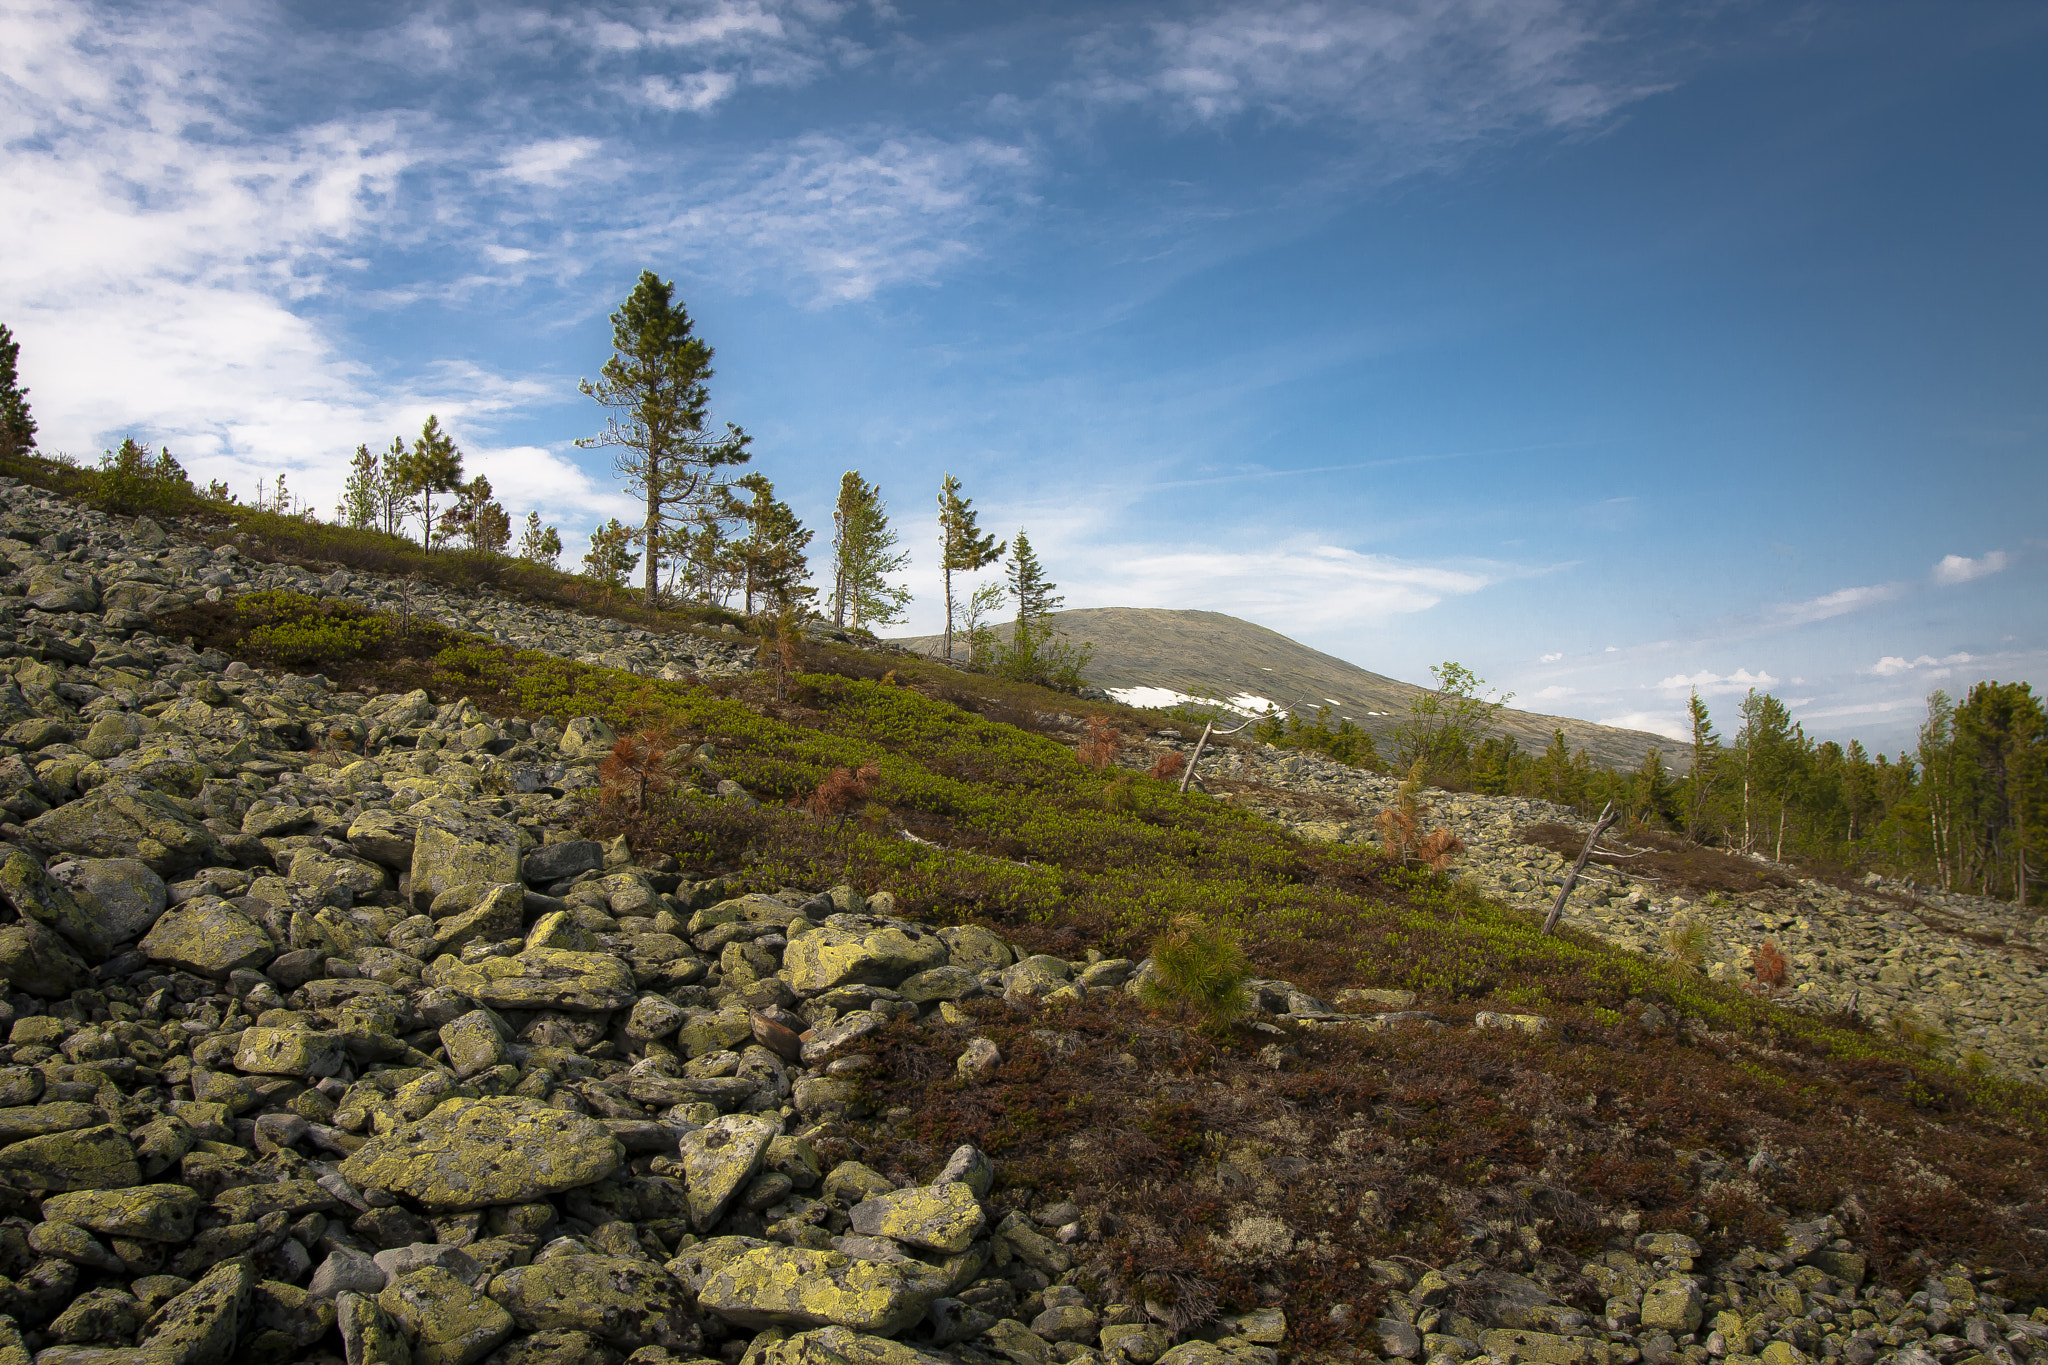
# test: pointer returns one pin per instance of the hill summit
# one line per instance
(1153, 656)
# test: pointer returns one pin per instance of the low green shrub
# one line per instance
(289, 628)
(1199, 966)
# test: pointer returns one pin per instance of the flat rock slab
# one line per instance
(859, 949)
(546, 979)
(110, 822)
(457, 846)
(208, 937)
(795, 1287)
(943, 1218)
(626, 1303)
(499, 1150)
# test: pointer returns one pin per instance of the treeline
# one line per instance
(713, 534)
(1966, 810)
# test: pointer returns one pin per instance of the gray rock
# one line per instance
(346, 1270)
(122, 894)
(558, 861)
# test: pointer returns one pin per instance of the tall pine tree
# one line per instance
(962, 546)
(433, 465)
(17, 428)
(863, 555)
(655, 386)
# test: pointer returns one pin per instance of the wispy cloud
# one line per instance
(1839, 603)
(1954, 569)
(1662, 723)
(1419, 77)
(1550, 658)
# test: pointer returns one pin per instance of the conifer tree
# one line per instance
(360, 504)
(481, 522)
(611, 556)
(433, 465)
(541, 545)
(1033, 591)
(962, 547)
(654, 384)
(1705, 749)
(771, 555)
(17, 427)
(863, 555)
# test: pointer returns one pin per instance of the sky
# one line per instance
(1610, 349)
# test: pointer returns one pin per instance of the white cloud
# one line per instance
(1891, 665)
(549, 161)
(1715, 684)
(1838, 603)
(695, 92)
(1418, 77)
(1550, 658)
(1954, 569)
(1555, 692)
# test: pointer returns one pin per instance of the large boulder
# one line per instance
(796, 1287)
(149, 1213)
(457, 846)
(208, 937)
(384, 836)
(627, 1303)
(121, 895)
(200, 1326)
(97, 1158)
(37, 961)
(859, 950)
(36, 895)
(120, 822)
(471, 1153)
(449, 1323)
(546, 979)
(586, 739)
(975, 948)
(50, 589)
(942, 1218)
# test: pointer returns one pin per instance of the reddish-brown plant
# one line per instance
(1169, 765)
(1769, 965)
(643, 764)
(842, 790)
(1099, 746)
(1438, 848)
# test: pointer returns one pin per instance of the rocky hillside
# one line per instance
(1144, 653)
(332, 1035)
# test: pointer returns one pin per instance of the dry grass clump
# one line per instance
(1686, 941)
(1770, 966)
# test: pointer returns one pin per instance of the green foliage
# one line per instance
(962, 546)
(864, 554)
(133, 482)
(539, 544)
(288, 628)
(17, 427)
(476, 519)
(433, 465)
(611, 556)
(1443, 724)
(769, 559)
(1199, 966)
(1686, 941)
(1343, 741)
(1035, 651)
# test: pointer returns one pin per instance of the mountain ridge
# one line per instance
(1141, 653)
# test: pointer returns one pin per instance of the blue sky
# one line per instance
(1611, 349)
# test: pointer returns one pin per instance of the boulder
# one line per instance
(586, 739)
(385, 837)
(566, 859)
(121, 894)
(200, 1326)
(117, 822)
(458, 845)
(291, 1052)
(208, 937)
(942, 1218)
(97, 1158)
(36, 895)
(546, 979)
(37, 961)
(975, 948)
(778, 1286)
(471, 1153)
(449, 1323)
(369, 1335)
(859, 949)
(718, 1161)
(628, 1303)
(149, 1213)
(473, 1043)
(1672, 1305)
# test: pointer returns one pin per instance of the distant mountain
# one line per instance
(1149, 656)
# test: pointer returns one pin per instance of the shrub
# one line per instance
(292, 629)
(132, 482)
(842, 789)
(643, 763)
(1199, 966)
(1913, 1032)
(1121, 793)
(1769, 965)
(1169, 766)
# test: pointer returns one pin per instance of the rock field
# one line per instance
(329, 1038)
(1974, 967)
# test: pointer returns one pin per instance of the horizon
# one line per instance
(1612, 352)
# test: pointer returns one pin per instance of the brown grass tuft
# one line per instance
(1099, 746)
(1769, 965)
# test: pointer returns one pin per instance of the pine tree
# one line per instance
(360, 504)
(1700, 780)
(611, 556)
(655, 385)
(962, 547)
(862, 558)
(17, 427)
(541, 545)
(433, 465)
(479, 521)
(771, 555)
(1033, 591)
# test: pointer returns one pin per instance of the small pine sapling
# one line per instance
(1915, 1033)
(1201, 967)
(1438, 848)
(643, 763)
(842, 789)
(1121, 794)
(1169, 765)
(1400, 824)
(1685, 942)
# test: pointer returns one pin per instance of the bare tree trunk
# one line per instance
(1207, 730)
(653, 535)
(1781, 833)
(949, 614)
(1608, 815)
